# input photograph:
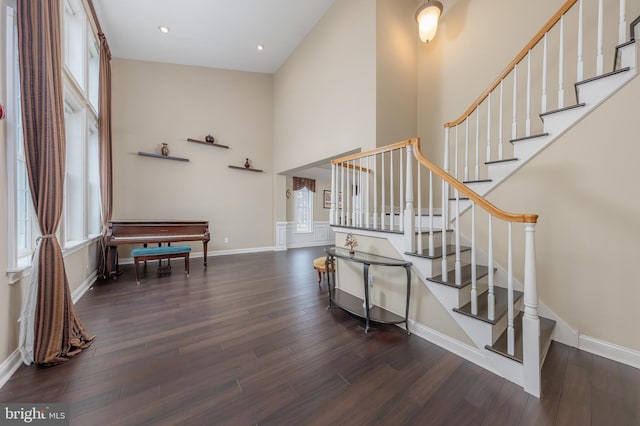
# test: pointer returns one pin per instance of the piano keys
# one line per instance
(121, 232)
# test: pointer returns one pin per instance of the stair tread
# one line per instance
(500, 346)
(500, 308)
(601, 76)
(481, 271)
(437, 252)
(526, 138)
(477, 181)
(461, 199)
(504, 160)
(567, 108)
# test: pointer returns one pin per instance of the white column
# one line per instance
(409, 214)
(530, 320)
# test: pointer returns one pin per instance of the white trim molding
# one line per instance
(9, 366)
(609, 350)
(84, 287)
(287, 237)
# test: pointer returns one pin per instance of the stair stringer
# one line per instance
(479, 332)
(591, 93)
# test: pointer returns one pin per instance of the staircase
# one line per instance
(480, 265)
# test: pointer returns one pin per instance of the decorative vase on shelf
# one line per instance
(352, 253)
(247, 164)
(165, 149)
(209, 139)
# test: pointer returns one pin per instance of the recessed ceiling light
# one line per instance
(260, 47)
(163, 29)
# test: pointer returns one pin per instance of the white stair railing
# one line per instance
(560, 43)
(453, 265)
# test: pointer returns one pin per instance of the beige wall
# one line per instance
(155, 103)
(325, 93)
(588, 233)
(474, 43)
(588, 237)
(396, 71)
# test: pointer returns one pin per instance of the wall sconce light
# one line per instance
(427, 17)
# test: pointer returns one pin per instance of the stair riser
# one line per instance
(429, 268)
(594, 92)
(437, 239)
(557, 123)
(524, 150)
(628, 56)
(481, 187)
(501, 325)
(464, 205)
(464, 295)
(498, 171)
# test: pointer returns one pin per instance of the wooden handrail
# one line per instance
(478, 199)
(387, 148)
(358, 168)
(523, 53)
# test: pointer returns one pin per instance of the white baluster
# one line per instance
(510, 326)
(446, 149)
(419, 224)
(488, 156)
(543, 100)
(367, 194)
(375, 191)
(622, 27)
(527, 127)
(332, 211)
(561, 65)
(445, 222)
(354, 190)
(400, 216)
(431, 242)
(477, 167)
(474, 276)
(360, 194)
(392, 217)
(580, 70)
(530, 320)
(458, 264)
(491, 298)
(600, 57)
(382, 207)
(409, 213)
(514, 124)
(466, 149)
(455, 160)
(500, 124)
(341, 206)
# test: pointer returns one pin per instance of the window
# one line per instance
(303, 209)
(81, 216)
(22, 228)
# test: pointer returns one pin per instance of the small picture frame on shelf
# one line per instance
(327, 199)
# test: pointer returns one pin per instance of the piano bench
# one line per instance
(159, 253)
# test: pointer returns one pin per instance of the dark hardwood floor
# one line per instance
(248, 341)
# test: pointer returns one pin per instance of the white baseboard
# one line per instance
(314, 244)
(610, 350)
(9, 366)
(467, 352)
(84, 287)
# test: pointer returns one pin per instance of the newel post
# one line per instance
(530, 320)
(409, 215)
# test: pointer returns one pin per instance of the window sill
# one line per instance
(15, 275)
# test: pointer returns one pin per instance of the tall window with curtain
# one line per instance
(303, 190)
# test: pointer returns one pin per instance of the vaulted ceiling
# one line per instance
(210, 33)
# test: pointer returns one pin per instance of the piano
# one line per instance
(145, 232)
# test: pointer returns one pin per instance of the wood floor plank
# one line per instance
(249, 341)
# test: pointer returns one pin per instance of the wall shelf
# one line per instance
(249, 169)
(207, 143)
(168, 157)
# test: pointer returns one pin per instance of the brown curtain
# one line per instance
(106, 181)
(57, 331)
(299, 183)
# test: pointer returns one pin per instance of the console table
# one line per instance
(354, 304)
